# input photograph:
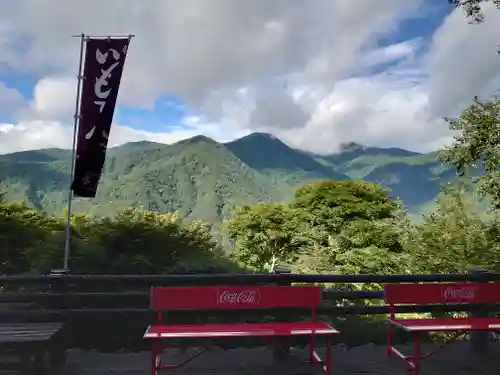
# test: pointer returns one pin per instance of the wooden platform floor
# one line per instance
(367, 359)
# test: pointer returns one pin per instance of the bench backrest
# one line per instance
(426, 294)
(234, 297)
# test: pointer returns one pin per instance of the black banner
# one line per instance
(102, 72)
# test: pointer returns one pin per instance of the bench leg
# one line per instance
(155, 358)
(32, 363)
(312, 347)
(326, 364)
(389, 340)
(416, 353)
(25, 363)
(38, 364)
(280, 349)
(328, 359)
(57, 357)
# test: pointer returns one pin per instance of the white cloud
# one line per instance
(463, 61)
(39, 134)
(404, 106)
(297, 69)
(32, 135)
(11, 102)
(381, 110)
(191, 48)
(48, 123)
(395, 52)
(54, 98)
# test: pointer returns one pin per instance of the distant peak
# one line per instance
(351, 146)
(142, 144)
(263, 135)
(259, 136)
(198, 138)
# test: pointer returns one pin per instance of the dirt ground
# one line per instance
(368, 359)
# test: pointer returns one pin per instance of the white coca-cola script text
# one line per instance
(459, 293)
(250, 297)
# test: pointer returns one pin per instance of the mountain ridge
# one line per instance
(205, 179)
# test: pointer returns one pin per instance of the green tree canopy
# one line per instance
(476, 146)
(334, 204)
(263, 235)
(22, 228)
(135, 241)
(352, 222)
(330, 226)
(453, 238)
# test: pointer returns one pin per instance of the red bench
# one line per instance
(164, 299)
(429, 294)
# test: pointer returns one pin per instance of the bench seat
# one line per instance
(447, 324)
(22, 333)
(240, 330)
(31, 342)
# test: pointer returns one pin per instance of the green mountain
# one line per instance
(203, 179)
(412, 177)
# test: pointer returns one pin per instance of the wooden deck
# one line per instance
(367, 359)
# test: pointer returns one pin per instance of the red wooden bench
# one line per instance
(429, 294)
(164, 299)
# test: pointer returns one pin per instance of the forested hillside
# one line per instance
(202, 179)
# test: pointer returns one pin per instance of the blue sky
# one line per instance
(421, 25)
(169, 111)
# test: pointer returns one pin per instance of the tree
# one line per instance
(21, 230)
(334, 204)
(263, 235)
(134, 241)
(476, 146)
(143, 242)
(330, 226)
(353, 224)
(452, 239)
(473, 9)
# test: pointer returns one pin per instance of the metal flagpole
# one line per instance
(73, 152)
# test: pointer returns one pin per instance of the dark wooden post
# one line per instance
(281, 350)
(58, 286)
(479, 339)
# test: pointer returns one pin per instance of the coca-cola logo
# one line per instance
(459, 293)
(246, 297)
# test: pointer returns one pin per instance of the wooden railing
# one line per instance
(82, 300)
(89, 295)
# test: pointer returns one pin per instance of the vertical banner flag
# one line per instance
(102, 72)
